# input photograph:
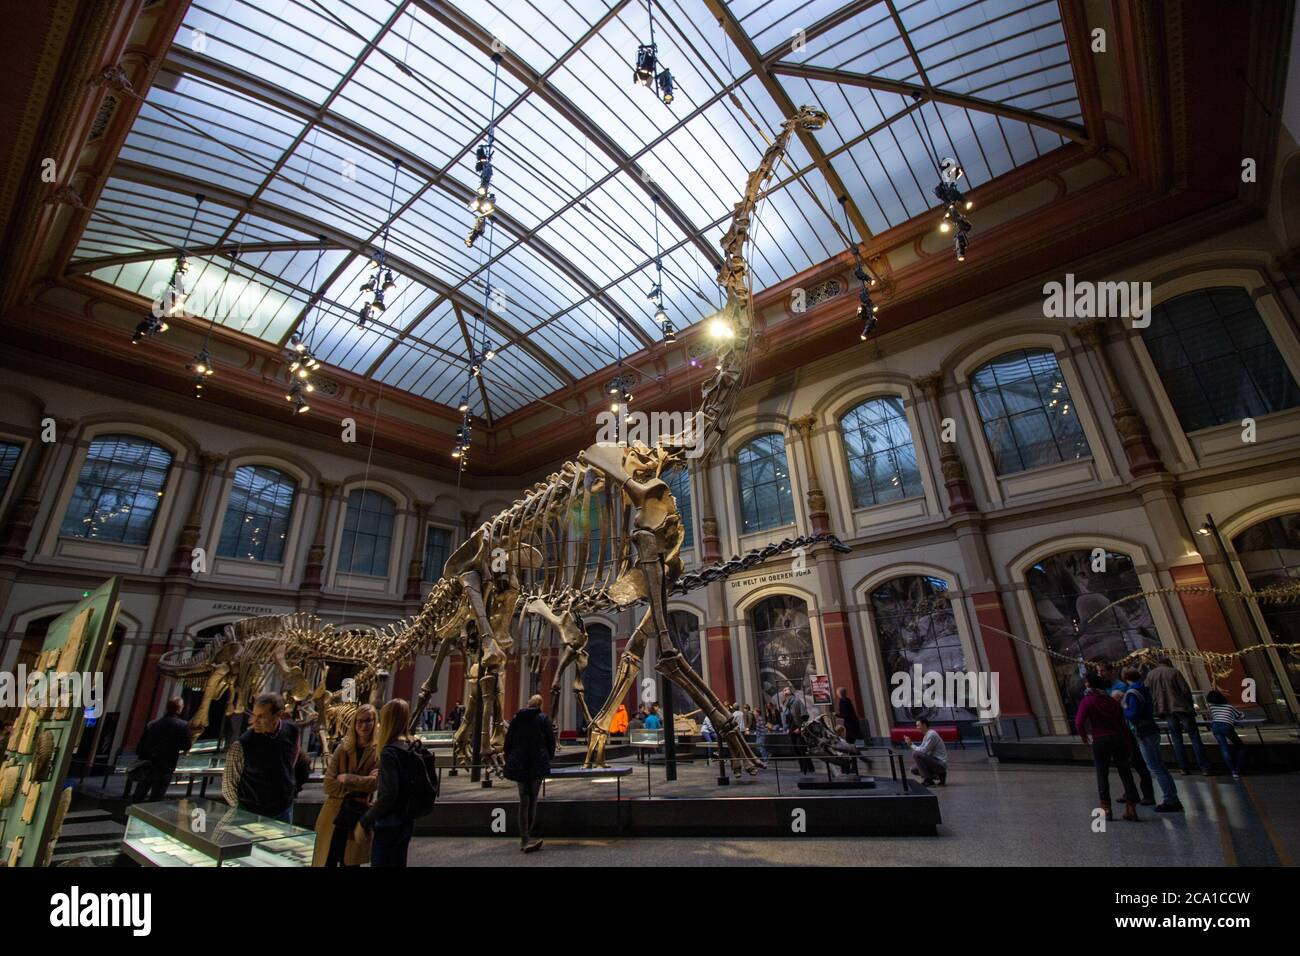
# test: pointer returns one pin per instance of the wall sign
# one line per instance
(748, 584)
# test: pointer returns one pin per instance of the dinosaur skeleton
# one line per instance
(602, 533)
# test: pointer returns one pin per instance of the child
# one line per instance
(1223, 724)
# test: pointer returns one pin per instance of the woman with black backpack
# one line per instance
(407, 787)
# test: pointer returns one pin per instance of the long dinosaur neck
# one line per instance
(721, 391)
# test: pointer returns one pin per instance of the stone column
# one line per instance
(818, 519)
(415, 574)
(312, 574)
(710, 546)
(1143, 459)
(960, 498)
(22, 514)
(182, 556)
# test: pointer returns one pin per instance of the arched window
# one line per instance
(437, 548)
(679, 483)
(1069, 590)
(9, 453)
(878, 445)
(367, 533)
(117, 491)
(685, 630)
(783, 646)
(1216, 360)
(916, 626)
(765, 498)
(1270, 555)
(1029, 419)
(257, 514)
(598, 679)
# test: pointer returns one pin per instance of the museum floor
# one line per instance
(993, 815)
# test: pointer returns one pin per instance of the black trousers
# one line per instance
(1108, 750)
(154, 786)
(390, 844)
(529, 797)
(806, 766)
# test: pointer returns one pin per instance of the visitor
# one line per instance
(1141, 718)
(350, 778)
(1223, 724)
(456, 716)
(618, 725)
(260, 765)
(652, 720)
(1172, 698)
(930, 756)
(772, 714)
(1101, 716)
(740, 716)
(706, 730)
(530, 745)
(793, 716)
(1146, 786)
(160, 748)
(849, 716)
(437, 718)
(406, 789)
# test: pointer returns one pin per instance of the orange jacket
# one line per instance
(619, 723)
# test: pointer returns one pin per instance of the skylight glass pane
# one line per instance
(132, 217)
(206, 133)
(538, 34)
(425, 89)
(769, 24)
(304, 47)
(341, 184)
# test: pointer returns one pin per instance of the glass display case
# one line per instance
(209, 833)
(436, 737)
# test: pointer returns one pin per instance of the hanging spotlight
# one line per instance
(174, 298)
(381, 279)
(643, 72)
(661, 316)
(670, 333)
(475, 231)
(665, 82)
(202, 364)
(464, 404)
(955, 201)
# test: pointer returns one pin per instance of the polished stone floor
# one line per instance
(993, 815)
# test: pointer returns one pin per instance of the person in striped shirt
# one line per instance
(1223, 724)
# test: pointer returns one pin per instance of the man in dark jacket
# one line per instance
(259, 773)
(161, 744)
(530, 745)
(1171, 698)
(852, 728)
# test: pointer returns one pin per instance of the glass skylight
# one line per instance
(303, 105)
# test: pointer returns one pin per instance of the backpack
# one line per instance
(419, 781)
(1143, 721)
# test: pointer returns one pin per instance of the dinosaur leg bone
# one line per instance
(629, 665)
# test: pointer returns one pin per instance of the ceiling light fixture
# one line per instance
(173, 300)
(646, 69)
(302, 358)
(867, 308)
(382, 281)
(484, 202)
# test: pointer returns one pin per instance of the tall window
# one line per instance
(679, 483)
(1216, 360)
(437, 548)
(117, 491)
(1270, 555)
(765, 498)
(685, 629)
(367, 533)
(9, 452)
(878, 444)
(783, 646)
(916, 625)
(598, 678)
(257, 515)
(1069, 591)
(1029, 419)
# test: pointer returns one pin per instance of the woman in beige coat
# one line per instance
(352, 776)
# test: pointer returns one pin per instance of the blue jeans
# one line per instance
(1233, 750)
(1176, 724)
(1150, 747)
(390, 843)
